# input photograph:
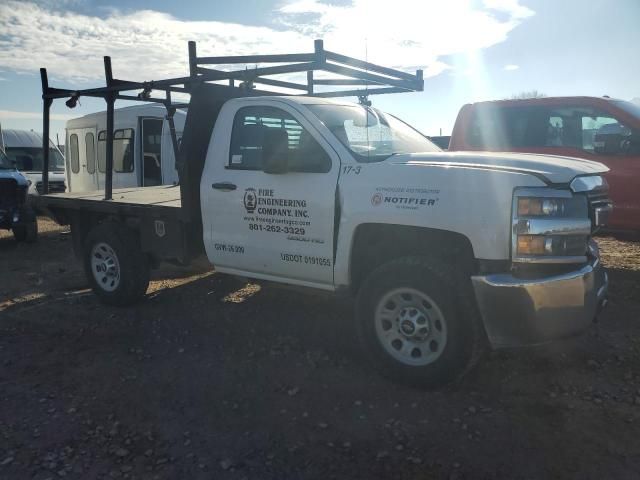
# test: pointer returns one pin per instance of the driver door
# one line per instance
(274, 226)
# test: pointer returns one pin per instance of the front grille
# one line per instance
(54, 187)
(11, 194)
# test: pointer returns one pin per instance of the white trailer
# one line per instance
(142, 148)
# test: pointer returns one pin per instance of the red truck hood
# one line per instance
(553, 168)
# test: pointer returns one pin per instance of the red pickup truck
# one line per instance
(592, 128)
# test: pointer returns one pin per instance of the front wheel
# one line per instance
(416, 324)
(27, 232)
(115, 266)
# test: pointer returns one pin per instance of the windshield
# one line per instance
(30, 159)
(371, 135)
(5, 163)
(629, 107)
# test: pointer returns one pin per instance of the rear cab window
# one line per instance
(494, 127)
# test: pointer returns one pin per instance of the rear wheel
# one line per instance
(416, 324)
(115, 266)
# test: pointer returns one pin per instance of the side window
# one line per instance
(123, 150)
(102, 151)
(305, 154)
(73, 153)
(586, 129)
(91, 152)
(603, 134)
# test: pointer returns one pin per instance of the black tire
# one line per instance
(133, 264)
(27, 232)
(463, 337)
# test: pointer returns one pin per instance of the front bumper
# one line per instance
(520, 312)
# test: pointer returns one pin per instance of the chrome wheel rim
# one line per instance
(105, 267)
(410, 327)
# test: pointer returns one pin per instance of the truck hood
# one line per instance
(17, 176)
(552, 168)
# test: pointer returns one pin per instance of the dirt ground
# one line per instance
(210, 378)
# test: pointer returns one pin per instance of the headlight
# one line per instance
(550, 226)
(575, 207)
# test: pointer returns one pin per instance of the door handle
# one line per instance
(224, 186)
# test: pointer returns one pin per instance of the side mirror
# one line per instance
(275, 151)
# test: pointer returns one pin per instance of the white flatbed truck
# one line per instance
(444, 253)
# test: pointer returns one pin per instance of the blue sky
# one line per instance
(470, 49)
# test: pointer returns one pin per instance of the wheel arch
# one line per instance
(374, 244)
(82, 222)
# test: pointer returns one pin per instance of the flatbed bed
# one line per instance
(162, 200)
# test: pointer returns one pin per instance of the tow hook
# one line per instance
(602, 304)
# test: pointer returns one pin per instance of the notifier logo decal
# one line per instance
(406, 198)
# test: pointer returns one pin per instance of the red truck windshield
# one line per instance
(371, 135)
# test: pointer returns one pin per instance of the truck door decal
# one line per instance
(266, 212)
(406, 198)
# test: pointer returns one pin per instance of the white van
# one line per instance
(24, 149)
(142, 148)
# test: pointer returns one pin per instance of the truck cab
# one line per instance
(599, 129)
(15, 214)
(24, 149)
(319, 193)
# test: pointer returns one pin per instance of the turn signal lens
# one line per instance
(531, 245)
(529, 206)
(563, 245)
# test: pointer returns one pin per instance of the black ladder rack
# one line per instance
(366, 79)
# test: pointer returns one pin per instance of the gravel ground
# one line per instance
(210, 378)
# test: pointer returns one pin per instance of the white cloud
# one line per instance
(512, 7)
(511, 67)
(148, 44)
(13, 115)
(406, 33)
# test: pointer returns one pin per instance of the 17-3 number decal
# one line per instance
(351, 170)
